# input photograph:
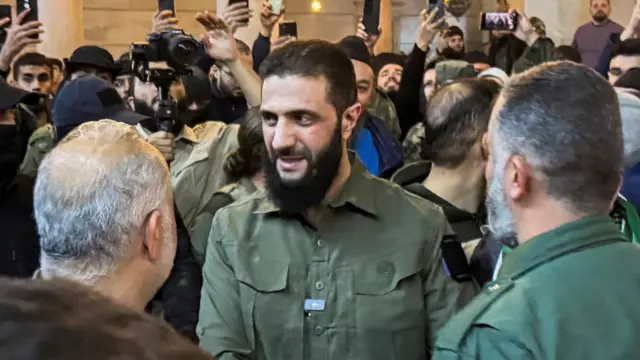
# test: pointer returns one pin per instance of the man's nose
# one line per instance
(284, 136)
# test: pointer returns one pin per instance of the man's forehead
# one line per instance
(33, 69)
(282, 92)
(391, 67)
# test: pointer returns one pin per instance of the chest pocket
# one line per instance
(271, 308)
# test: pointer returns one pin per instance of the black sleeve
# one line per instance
(181, 292)
(605, 57)
(260, 51)
(407, 101)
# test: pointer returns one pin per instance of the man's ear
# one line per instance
(484, 146)
(518, 178)
(350, 119)
(153, 235)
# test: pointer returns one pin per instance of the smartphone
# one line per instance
(22, 5)
(276, 6)
(5, 12)
(246, 2)
(288, 29)
(499, 21)
(371, 17)
(441, 11)
(167, 5)
(454, 259)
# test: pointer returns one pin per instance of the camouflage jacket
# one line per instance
(412, 144)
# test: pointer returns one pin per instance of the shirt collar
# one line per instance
(358, 191)
(186, 133)
(582, 233)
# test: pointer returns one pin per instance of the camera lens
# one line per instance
(184, 50)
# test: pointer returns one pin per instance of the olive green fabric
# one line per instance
(383, 108)
(40, 143)
(571, 293)
(223, 197)
(196, 170)
(543, 50)
(374, 257)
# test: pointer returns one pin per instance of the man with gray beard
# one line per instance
(555, 162)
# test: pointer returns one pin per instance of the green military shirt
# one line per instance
(571, 293)
(365, 283)
(40, 143)
(196, 169)
(383, 108)
(225, 196)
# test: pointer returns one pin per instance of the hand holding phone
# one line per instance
(288, 29)
(20, 34)
(440, 13)
(167, 5)
(371, 17)
(31, 16)
(495, 21)
(276, 6)
(5, 13)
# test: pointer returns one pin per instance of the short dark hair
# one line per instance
(569, 53)
(30, 59)
(564, 119)
(457, 117)
(56, 319)
(56, 62)
(245, 160)
(629, 47)
(243, 48)
(630, 79)
(316, 59)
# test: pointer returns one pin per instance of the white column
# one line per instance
(64, 27)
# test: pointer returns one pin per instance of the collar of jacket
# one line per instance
(566, 239)
(358, 191)
(186, 133)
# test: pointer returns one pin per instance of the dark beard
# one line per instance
(599, 17)
(312, 188)
(151, 124)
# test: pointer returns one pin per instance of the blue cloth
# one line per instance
(367, 152)
(631, 185)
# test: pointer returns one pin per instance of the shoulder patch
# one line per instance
(456, 329)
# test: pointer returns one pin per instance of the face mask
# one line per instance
(10, 153)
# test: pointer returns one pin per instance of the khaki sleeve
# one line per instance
(221, 327)
(484, 343)
(39, 145)
(443, 296)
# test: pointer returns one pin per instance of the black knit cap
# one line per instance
(453, 31)
(356, 49)
(384, 59)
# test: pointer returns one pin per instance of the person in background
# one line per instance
(624, 56)
(376, 146)
(569, 53)
(122, 83)
(389, 68)
(19, 247)
(199, 105)
(20, 35)
(559, 214)
(243, 167)
(539, 26)
(632, 31)
(296, 243)
(33, 72)
(57, 319)
(590, 39)
(479, 59)
(454, 38)
(91, 60)
(57, 68)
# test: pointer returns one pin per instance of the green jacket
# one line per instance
(571, 293)
(40, 143)
(223, 197)
(370, 273)
(543, 50)
(383, 108)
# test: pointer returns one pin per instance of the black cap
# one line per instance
(94, 57)
(356, 49)
(90, 98)
(11, 96)
(384, 59)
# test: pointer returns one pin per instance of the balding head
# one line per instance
(96, 195)
(457, 117)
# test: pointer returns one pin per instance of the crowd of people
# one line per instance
(321, 200)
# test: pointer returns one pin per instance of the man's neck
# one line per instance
(600, 23)
(458, 188)
(125, 289)
(537, 220)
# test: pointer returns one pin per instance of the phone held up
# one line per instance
(164, 5)
(5, 12)
(32, 6)
(288, 29)
(276, 6)
(497, 21)
(371, 17)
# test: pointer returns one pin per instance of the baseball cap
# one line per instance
(90, 98)
(11, 96)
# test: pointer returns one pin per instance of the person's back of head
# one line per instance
(245, 161)
(570, 53)
(556, 146)
(456, 120)
(104, 208)
(52, 320)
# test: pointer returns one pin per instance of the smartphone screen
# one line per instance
(5, 12)
(167, 5)
(371, 17)
(288, 29)
(276, 6)
(22, 5)
(499, 21)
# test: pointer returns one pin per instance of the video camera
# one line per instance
(179, 51)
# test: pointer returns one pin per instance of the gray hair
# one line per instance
(92, 196)
(564, 120)
(630, 113)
